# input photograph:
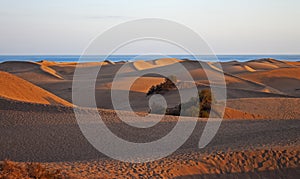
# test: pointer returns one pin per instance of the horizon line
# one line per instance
(58, 54)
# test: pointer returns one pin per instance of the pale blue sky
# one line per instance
(228, 26)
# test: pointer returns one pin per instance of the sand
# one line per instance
(271, 108)
(42, 133)
(271, 163)
(258, 137)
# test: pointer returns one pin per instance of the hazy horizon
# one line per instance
(222, 54)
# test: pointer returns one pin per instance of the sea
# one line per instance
(116, 58)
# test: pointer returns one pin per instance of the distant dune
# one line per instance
(30, 70)
(252, 79)
(143, 65)
(235, 67)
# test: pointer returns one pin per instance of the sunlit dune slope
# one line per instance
(239, 114)
(15, 88)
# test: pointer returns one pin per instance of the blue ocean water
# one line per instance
(115, 58)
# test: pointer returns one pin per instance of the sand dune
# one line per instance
(166, 61)
(142, 84)
(259, 136)
(296, 64)
(38, 74)
(143, 65)
(239, 85)
(267, 64)
(232, 81)
(286, 80)
(15, 88)
(235, 67)
(30, 70)
(261, 65)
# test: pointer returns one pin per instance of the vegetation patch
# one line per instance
(196, 107)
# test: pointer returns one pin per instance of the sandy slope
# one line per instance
(13, 87)
(240, 114)
(46, 134)
(279, 108)
(286, 80)
(51, 133)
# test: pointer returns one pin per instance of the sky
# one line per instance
(227, 26)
